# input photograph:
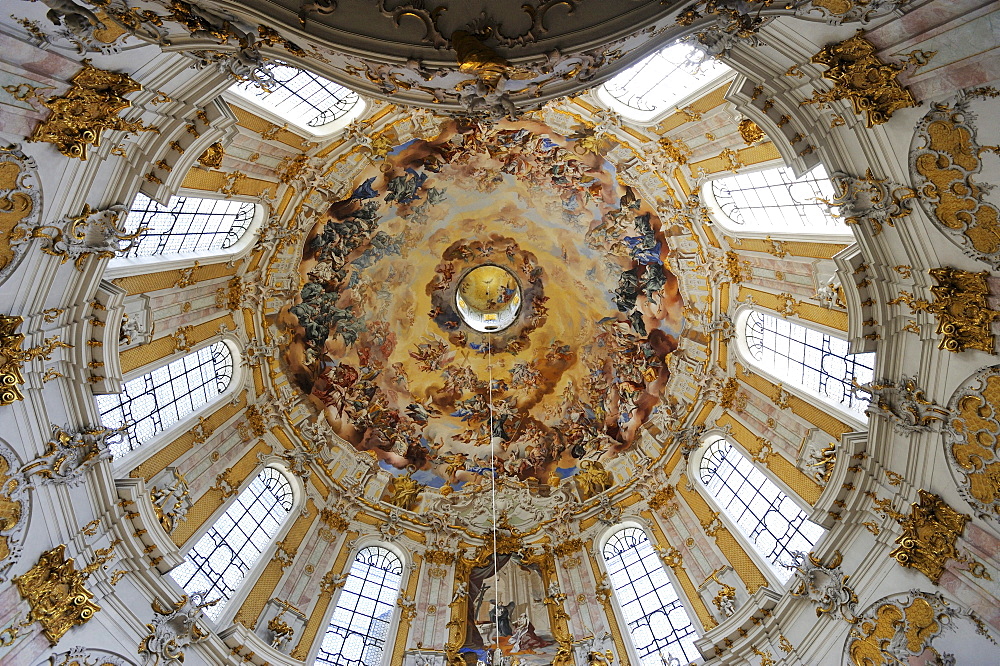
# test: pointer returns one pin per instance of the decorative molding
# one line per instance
(904, 403)
(878, 201)
(92, 232)
(14, 510)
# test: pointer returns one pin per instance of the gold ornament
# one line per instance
(861, 77)
(212, 157)
(89, 107)
(973, 441)
(961, 306)
(404, 492)
(945, 170)
(54, 589)
(929, 535)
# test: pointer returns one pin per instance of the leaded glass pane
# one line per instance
(774, 200)
(186, 224)
(360, 624)
(150, 404)
(814, 361)
(301, 97)
(220, 560)
(657, 82)
(657, 621)
(770, 520)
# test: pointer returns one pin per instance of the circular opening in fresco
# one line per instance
(488, 298)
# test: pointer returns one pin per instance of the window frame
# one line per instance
(244, 588)
(407, 567)
(745, 357)
(148, 449)
(598, 555)
(605, 100)
(126, 266)
(694, 477)
(309, 133)
(721, 220)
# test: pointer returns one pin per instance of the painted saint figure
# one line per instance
(500, 617)
(523, 637)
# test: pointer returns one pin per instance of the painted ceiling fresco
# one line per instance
(379, 344)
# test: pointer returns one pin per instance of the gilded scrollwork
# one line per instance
(972, 441)
(14, 510)
(896, 628)
(20, 203)
(944, 163)
(90, 106)
(930, 533)
(56, 591)
(13, 358)
(860, 76)
(961, 306)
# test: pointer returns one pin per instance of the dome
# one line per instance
(547, 332)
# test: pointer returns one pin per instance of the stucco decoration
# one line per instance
(14, 510)
(377, 343)
(972, 441)
(918, 627)
(84, 656)
(20, 203)
(948, 164)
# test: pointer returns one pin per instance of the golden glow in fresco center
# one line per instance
(513, 220)
(488, 298)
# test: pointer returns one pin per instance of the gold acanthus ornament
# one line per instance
(961, 306)
(88, 108)
(55, 591)
(750, 131)
(859, 76)
(929, 536)
(13, 358)
(211, 158)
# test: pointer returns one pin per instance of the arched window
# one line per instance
(220, 560)
(360, 624)
(775, 201)
(813, 361)
(769, 519)
(657, 621)
(300, 97)
(187, 224)
(658, 82)
(150, 404)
